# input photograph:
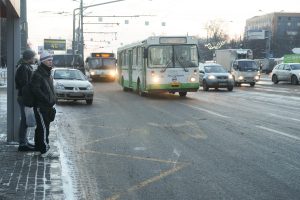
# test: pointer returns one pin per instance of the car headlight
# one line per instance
(93, 73)
(89, 87)
(59, 86)
(241, 77)
(211, 77)
(230, 76)
(256, 77)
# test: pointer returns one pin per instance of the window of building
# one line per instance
(298, 23)
(289, 23)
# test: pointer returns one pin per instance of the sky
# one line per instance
(54, 19)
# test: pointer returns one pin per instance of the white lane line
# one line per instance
(289, 118)
(205, 110)
(279, 132)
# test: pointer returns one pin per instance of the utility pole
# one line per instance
(81, 29)
(81, 23)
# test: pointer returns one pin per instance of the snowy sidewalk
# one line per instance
(24, 175)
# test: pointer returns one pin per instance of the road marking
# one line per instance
(148, 181)
(282, 117)
(198, 135)
(133, 157)
(102, 139)
(279, 132)
(205, 110)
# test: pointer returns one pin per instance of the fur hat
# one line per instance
(28, 54)
(45, 55)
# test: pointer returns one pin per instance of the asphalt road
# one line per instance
(210, 145)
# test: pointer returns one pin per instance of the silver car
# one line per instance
(212, 75)
(286, 72)
(72, 84)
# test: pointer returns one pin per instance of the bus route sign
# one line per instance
(55, 44)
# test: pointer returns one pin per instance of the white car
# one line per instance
(286, 72)
(72, 84)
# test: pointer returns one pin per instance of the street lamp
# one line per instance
(81, 23)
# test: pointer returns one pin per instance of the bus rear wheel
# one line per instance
(182, 94)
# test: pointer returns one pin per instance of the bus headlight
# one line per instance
(93, 73)
(112, 73)
(241, 78)
(256, 77)
(155, 79)
(193, 79)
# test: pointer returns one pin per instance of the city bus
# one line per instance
(160, 64)
(101, 66)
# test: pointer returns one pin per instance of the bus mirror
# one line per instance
(145, 53)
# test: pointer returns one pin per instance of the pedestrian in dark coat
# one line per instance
(23, 75)
(42, 88)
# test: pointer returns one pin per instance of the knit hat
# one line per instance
(45, 55)
(28, 54)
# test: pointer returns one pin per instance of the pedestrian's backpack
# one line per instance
(28, 96)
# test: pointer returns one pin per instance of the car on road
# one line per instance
(72, 84)
(286, 72)
(213, 75)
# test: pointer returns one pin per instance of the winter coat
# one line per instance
(42, 87)
(23, 75)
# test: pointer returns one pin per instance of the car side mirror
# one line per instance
(201, 71)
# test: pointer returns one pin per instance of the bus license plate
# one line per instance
(175, 84)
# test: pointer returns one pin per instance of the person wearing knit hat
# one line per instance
(45, 55)
(42, 89)
(22, 77)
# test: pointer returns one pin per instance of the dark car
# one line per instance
(212, 75)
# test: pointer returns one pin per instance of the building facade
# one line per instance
(273, 35)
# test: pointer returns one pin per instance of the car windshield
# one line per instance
(295, 66)
(247, 65)
(69, 75)
(214, 69)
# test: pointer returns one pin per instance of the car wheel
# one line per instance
(274, 79)
(89, 101)
(230, 88)
(204, 85)
(252, 84)
(294, 80)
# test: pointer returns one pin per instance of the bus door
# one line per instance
(130, 68)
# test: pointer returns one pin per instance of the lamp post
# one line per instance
(81, 24)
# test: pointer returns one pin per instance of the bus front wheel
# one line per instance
(139, 90)
(182, 94)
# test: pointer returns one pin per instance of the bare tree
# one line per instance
(216, 36)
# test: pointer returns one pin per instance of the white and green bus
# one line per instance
(160, 64)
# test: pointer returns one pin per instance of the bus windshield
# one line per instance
(178, 55)
(101, 63)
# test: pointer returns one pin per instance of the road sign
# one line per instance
(55, 44)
